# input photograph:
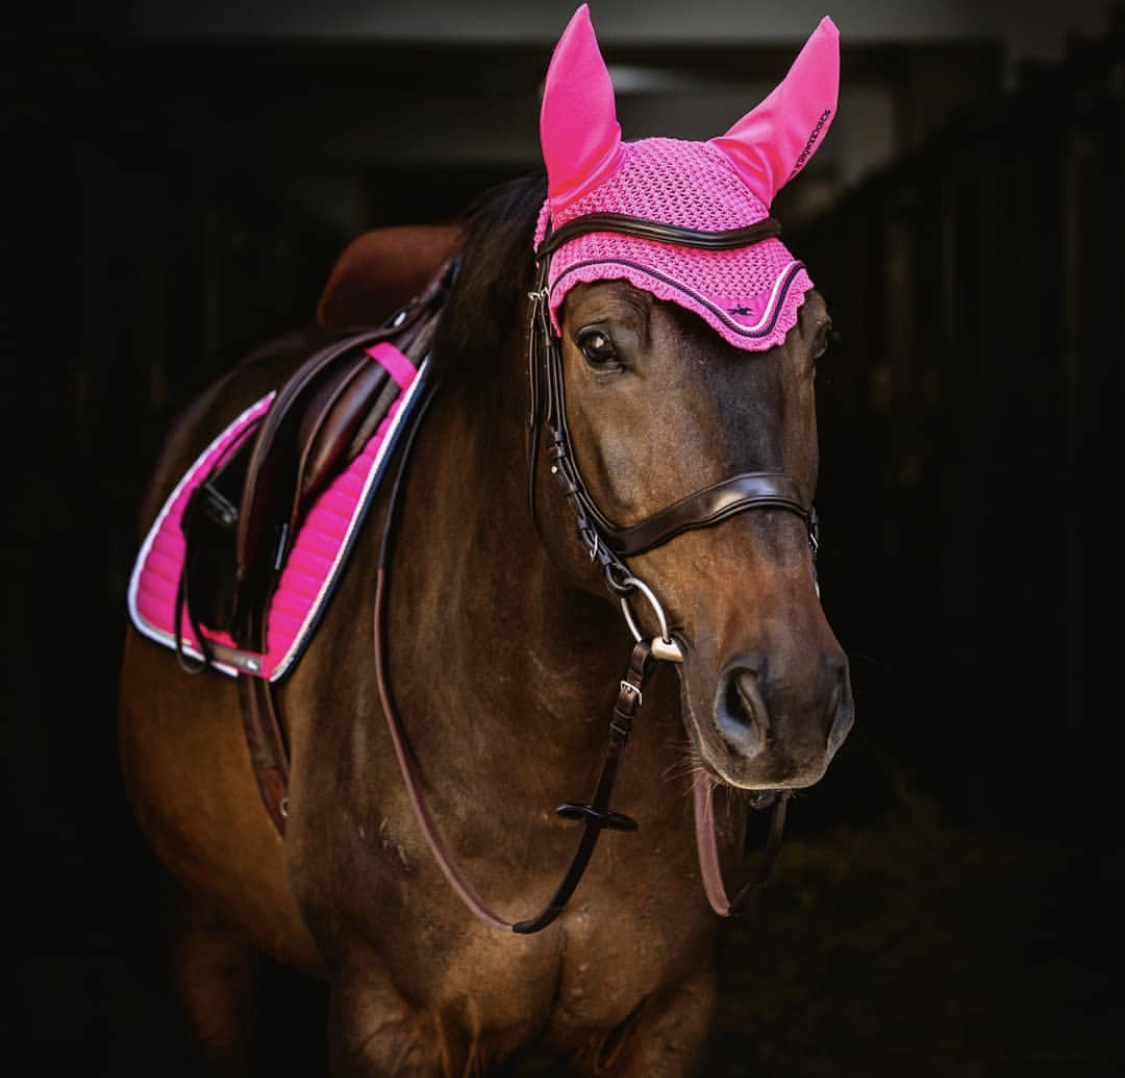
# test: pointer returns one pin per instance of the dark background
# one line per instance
(948, 899)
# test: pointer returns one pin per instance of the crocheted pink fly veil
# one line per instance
(749, 295)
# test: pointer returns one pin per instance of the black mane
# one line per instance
(495, 274)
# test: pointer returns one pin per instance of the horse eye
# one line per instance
(828, 338)
(597, 348)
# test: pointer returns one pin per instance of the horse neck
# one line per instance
(471, 577)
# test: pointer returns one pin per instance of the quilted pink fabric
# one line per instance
(314, 560)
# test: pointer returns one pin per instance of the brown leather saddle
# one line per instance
(241, 520)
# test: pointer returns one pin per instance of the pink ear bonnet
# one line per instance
(749, 295)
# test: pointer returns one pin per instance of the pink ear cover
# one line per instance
(578, 126)
(750, 295)
(773, 142)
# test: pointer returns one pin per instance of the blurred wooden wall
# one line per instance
(971, 424)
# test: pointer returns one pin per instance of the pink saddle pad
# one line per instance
(316, 556)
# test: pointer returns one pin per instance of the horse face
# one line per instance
(660, 407)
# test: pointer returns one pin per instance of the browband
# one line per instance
(627, 225)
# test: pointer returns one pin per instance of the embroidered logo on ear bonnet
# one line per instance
(749, 295)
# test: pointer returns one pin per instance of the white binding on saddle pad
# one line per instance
(312, 567)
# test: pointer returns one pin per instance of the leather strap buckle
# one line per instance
(633, 690)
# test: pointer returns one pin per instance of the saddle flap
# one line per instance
(313, 427)
(271, 475)
(332, 421)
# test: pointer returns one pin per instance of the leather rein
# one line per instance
(607, 545)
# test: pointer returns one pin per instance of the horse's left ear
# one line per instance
(772, 143)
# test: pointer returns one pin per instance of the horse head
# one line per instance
(677, 348)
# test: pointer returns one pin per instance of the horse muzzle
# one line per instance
(775, 721)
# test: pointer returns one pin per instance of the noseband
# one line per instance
(604, 541)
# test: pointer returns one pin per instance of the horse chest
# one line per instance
(582, 978)
(629, 934)
(637, 924)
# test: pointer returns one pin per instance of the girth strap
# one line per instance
(267, 747)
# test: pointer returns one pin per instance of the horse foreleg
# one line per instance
(666, 1037)
(374, 1033)
(215, 970)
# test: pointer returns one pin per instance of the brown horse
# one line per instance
(505, 653)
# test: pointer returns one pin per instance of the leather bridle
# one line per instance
(607, 545)
(604, 541)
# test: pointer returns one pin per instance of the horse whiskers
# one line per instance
(693, 770)
(738, 799)
(686, 764)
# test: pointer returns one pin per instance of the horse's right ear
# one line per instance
(578, 126)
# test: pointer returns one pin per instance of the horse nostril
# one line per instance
(741, 713)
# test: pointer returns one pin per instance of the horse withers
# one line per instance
(598, 514)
